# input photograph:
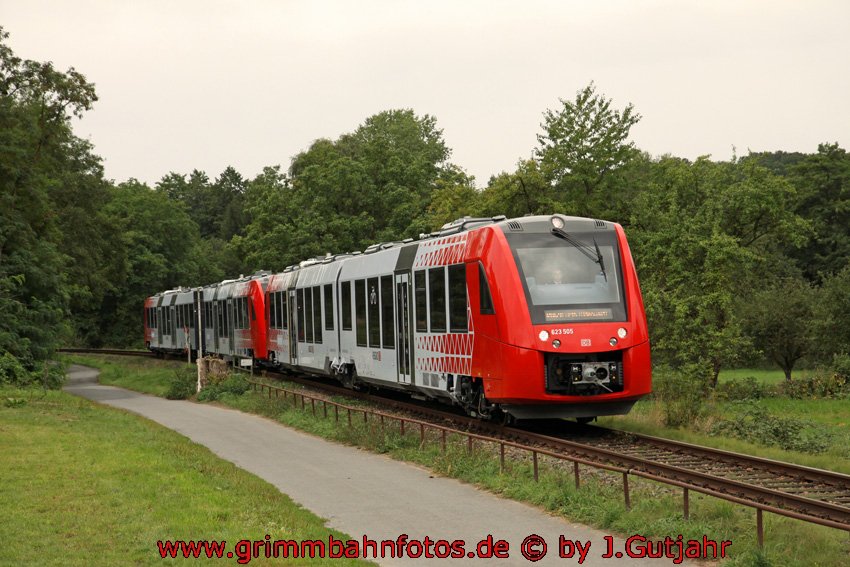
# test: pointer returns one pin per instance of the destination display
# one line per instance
(560, 315)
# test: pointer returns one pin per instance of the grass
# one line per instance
(83, 484)
(763, 375)
(645, 419)
(656, 509)
(147, 375)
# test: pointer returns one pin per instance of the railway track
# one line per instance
(796, 491)
(119, 352)
(783, 488)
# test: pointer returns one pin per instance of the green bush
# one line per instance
(233, 384)
(753, 423)
(48, 375)
(841, 366)
(182, 386)
(823, 384)
(12, 371)
(683, 393)
(748, 388)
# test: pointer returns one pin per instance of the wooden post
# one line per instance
(534, 456)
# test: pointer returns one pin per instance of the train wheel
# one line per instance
(505, 418)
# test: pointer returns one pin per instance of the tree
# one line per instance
(160, 246)
(704, 236)
(832, 315)
(779, 318)
(41, 165)
(454, 197)
(583, 144)
(520, 193)
(374, 184)
(823, 182)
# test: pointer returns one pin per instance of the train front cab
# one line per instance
(549, 344)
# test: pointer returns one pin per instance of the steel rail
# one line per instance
(119, 352)
(784, 500)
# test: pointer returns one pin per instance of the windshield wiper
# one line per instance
(592, 253)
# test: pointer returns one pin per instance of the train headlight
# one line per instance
(544, 335)
(557, 222)
(556, 343)
(622, 332)
(613, 341)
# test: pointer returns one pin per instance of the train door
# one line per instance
(231, 312)
(403, 330)
(218, 319)
(293, 328)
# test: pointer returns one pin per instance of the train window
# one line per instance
(360, 310)
(208, 314)
(272, 302)
(374, 314)
(225, 319)
(346, 306)
(457, 299)
(329, 307)
(251, 309)
(308, 314)
(179, 316)
(387, 330)
(299, 313)
(282, 302)
(317, 314)
(485, 299)
(421, 302)
(437, 297)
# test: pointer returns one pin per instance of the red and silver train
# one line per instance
(536, 317)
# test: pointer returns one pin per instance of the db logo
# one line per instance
(585, 342)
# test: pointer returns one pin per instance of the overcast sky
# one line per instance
(203, 84)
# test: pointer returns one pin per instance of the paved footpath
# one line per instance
(360, 493)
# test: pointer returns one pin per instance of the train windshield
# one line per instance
(573, 279)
